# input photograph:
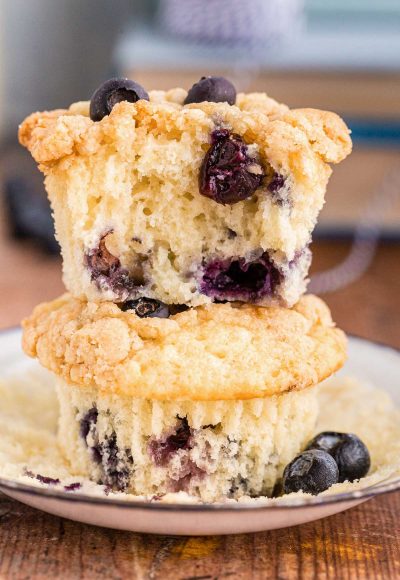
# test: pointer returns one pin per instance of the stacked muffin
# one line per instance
(186, 357)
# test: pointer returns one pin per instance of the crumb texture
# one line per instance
(213, 352)
(132, 182)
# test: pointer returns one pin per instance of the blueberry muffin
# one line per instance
(185, 197)
(213, 400)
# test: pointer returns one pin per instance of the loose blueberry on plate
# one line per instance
(349, 452)
(312, 471)
(327, 441)
(147, 308)
(212, 89)
(73, 486)
(112, 92)
(229, 173)
(42, 478)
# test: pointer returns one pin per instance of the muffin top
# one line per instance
(213, 352)
(279, 132)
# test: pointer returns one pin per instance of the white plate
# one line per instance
(369, 361)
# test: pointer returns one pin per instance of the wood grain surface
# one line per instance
(362, 543)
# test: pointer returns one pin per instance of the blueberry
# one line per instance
(349, 452)
(73, 486)
(238, 484)
(87, 422)
(352, 458)
(212, 89)
(327, 441)
(177, 308)
(96, 453)
(312, 471)
(161, 450)
(101, 262)
(115, 463)
(147, 308)
(106, 271)
(47, 480)
(229, 173)
(42, 478)
(240, 279)
(276, 183)
(28, 213)
(112, 92)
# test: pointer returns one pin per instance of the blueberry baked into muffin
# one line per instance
(214, 400)
(185, 197)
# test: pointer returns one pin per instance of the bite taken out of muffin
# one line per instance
(186, 356)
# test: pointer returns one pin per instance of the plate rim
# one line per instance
(315, 501)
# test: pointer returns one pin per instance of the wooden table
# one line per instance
(361, 543)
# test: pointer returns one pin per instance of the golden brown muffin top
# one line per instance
(53, 135)
(213, 352)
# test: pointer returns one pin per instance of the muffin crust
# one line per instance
(213, 352)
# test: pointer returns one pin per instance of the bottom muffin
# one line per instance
(210, 450)
(213, 401)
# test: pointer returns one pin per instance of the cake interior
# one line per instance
(159, 209)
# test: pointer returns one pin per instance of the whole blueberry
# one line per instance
(229, 173)
(312, 471)
(326, 441)
(147, 308)
(349, 452)
(112, 92)
(212, 89)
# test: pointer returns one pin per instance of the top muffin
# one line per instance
(185, 202)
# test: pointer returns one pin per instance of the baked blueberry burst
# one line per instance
(229, 173)
(240, 279)
(107, 272)
(114, 463)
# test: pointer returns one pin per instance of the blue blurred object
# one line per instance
(219, 21)
(28, 214)
(375, 132)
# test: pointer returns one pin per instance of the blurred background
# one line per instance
(341, 55)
